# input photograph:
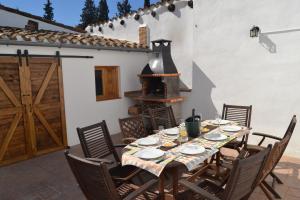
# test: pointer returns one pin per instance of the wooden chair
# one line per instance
(239, 186)
(162, 117)
(240, 115)
(275, 156)
(96, 182)
(132, 128)
(96, 144)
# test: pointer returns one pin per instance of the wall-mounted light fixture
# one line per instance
(254, 31)
(191, 3)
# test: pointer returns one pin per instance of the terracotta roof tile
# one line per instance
(44, 36)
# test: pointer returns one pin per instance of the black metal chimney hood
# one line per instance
(161, 61)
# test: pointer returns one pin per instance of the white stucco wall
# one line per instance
(81, 106)
(15, 20)
(213, 51)
(224, 65)
(230, 67)
(176, 26)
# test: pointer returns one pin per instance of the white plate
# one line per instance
(232, 128)
(192, 149)
(148, 141)
(221, 122)
(172, 131)
(150, 153)
(215, 136)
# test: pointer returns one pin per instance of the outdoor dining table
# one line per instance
(173, 160)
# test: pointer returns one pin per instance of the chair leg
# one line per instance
(276, 178)
(265, 190)
(272, 190)
(212, 159)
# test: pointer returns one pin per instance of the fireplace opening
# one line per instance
(154, 87)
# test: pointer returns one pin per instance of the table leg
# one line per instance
(175, 182)
(161, 187)
(246, 141)
(218, 163)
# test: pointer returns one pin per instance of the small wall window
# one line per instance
(107, 82)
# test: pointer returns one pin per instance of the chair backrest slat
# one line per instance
(162, 117)
(96, 142)
(93, 179)
(245, 175)
(133, 127)
(239, 114)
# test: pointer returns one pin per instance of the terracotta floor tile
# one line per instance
(292, 181)
(295, 192)
(258, 197)
(291, 198)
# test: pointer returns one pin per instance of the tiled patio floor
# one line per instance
(289, 172)
(49, 178)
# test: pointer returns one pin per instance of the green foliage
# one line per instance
(124, 7)
(102, 11)
(147, 3)
(48, 9)
(89, 14)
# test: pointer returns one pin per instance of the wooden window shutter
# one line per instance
(107, 85)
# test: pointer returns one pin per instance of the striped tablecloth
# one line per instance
(156, 167)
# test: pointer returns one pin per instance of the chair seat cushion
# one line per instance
(122, 171)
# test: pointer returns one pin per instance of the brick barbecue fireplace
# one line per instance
(160, 82)
(159, 78)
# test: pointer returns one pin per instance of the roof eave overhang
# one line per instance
(73, 46)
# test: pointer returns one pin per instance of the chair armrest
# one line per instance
(102, 160)
(120, 145)
(198, 190)
(264, 135)
(267, 135)
(141, 190)
(128, 140)
(129, 177)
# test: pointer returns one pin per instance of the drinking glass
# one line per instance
(218, 120)
(183, 137)
(182, 122)
(160, 128)
(160, 133)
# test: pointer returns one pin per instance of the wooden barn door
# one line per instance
(14, 138)
(47, 105)
(32, 114)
